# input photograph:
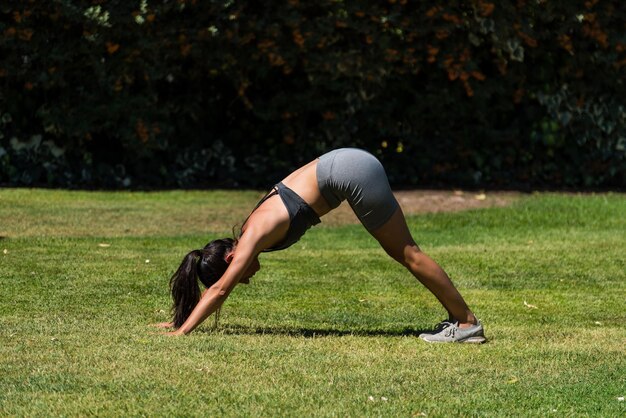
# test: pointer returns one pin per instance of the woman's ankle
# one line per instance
(470, 321)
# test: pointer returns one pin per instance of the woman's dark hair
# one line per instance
(206, 265)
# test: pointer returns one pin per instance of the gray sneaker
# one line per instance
(451, 333)
(438, 328)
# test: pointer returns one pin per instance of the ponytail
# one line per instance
(184, 287)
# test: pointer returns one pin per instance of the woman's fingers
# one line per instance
(162, 325)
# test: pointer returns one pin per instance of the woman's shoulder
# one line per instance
(267, 225)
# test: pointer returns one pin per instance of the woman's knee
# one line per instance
(410, 257)
(394, 236)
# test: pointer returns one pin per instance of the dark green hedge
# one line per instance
(169, 93)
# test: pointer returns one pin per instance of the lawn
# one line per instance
(327, 327)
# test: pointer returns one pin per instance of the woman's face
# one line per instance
(250, 271)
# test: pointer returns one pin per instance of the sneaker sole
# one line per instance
(470, 340)
(474, 340)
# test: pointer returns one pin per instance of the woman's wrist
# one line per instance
(182, 331)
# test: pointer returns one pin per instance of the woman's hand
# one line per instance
(166, 325)
(163, 325)
(173, 333)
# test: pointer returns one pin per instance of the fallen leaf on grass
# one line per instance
(5, 251)
(370, 398)
(512, 380)
(104, 245)
(382, 398)
(620, 399)
(481, 196)
(529, 306)
(598, 323)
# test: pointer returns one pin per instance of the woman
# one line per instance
(284, 215)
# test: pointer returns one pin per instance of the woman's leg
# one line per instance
(395, 238)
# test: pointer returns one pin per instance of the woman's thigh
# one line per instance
(394, 236)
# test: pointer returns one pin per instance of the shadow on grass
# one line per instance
(313, 332)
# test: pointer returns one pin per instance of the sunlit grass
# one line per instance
(31, 213)
(327, 328)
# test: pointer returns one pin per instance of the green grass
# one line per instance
(327, 328)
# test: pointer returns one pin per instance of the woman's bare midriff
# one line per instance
(303, 181)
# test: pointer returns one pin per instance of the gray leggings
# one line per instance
(357, 176)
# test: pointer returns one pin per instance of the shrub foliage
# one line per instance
(181, 93)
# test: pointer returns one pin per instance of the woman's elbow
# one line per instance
(221, 292)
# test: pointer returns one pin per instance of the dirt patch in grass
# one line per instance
(431, 201)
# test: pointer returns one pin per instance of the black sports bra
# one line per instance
(301, 215)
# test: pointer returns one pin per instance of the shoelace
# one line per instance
(451, 330)
(442, 325)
